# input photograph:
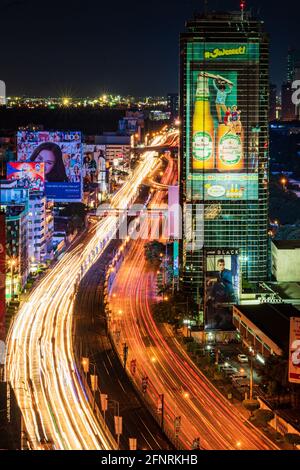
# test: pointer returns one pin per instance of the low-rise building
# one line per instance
(286, 260)
(265, 328)
(117, 148)
(40, 229)
(14, 203)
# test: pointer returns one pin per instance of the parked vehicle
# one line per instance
(242, 358)
(229, 370)
(242, 383)
(236, 378)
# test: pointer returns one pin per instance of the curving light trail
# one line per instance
(204, 411)
(40, 362)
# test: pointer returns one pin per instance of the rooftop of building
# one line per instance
(8, 184)
(288, 290)
(15, 211)
(112, 138)
(292, 416)
(287, 244)
(222, 15)
(219, 25)
(272, 320)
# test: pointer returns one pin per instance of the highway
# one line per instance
(40, 362)
(113, 380)
(204, 412)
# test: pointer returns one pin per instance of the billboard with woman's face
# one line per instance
(61, 154)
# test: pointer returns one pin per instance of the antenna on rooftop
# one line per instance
(242, 7)
(205, 6)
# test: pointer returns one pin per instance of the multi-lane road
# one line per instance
(40, 362)
(91, 330)
(203, 411)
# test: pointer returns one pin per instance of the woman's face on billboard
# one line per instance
(47, 157)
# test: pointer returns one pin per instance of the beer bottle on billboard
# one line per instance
(203, 128)
(230, 153)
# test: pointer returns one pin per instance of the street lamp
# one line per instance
(251, 377)
(118, 420)
(283, 181)
(86, 363)
(94, 383)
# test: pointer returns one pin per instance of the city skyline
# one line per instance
(96, 48)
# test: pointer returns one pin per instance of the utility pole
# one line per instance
(118, 422)
(242, 6)
(177, 426)
(162, 397)
(196, 443)
(251, 378)
(145, 383)
(104, 405)
(94, 384)
(125, 355)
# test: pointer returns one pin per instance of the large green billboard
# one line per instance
(222, 143)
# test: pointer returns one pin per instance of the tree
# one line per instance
(293, 439)
(162, 313)
(275, 375)
(251, 405)
(263, 417)
(153, 250)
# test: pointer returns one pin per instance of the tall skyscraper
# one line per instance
(288, 108)
(293, 63)
(273, 103)
(224, 110)
(173, 104)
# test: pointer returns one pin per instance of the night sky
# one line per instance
(88, 47)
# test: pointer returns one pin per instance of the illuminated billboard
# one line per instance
(61, 153)
(93, 164)
(222, 140)
(222, 288)
(294, 354)
(29, 175)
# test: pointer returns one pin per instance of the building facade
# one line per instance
(273, 103)
(224, 112)
(40, 229)
(173, 104)
(14, 203)
(286, 260)
(288, 109)
(293, 63)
